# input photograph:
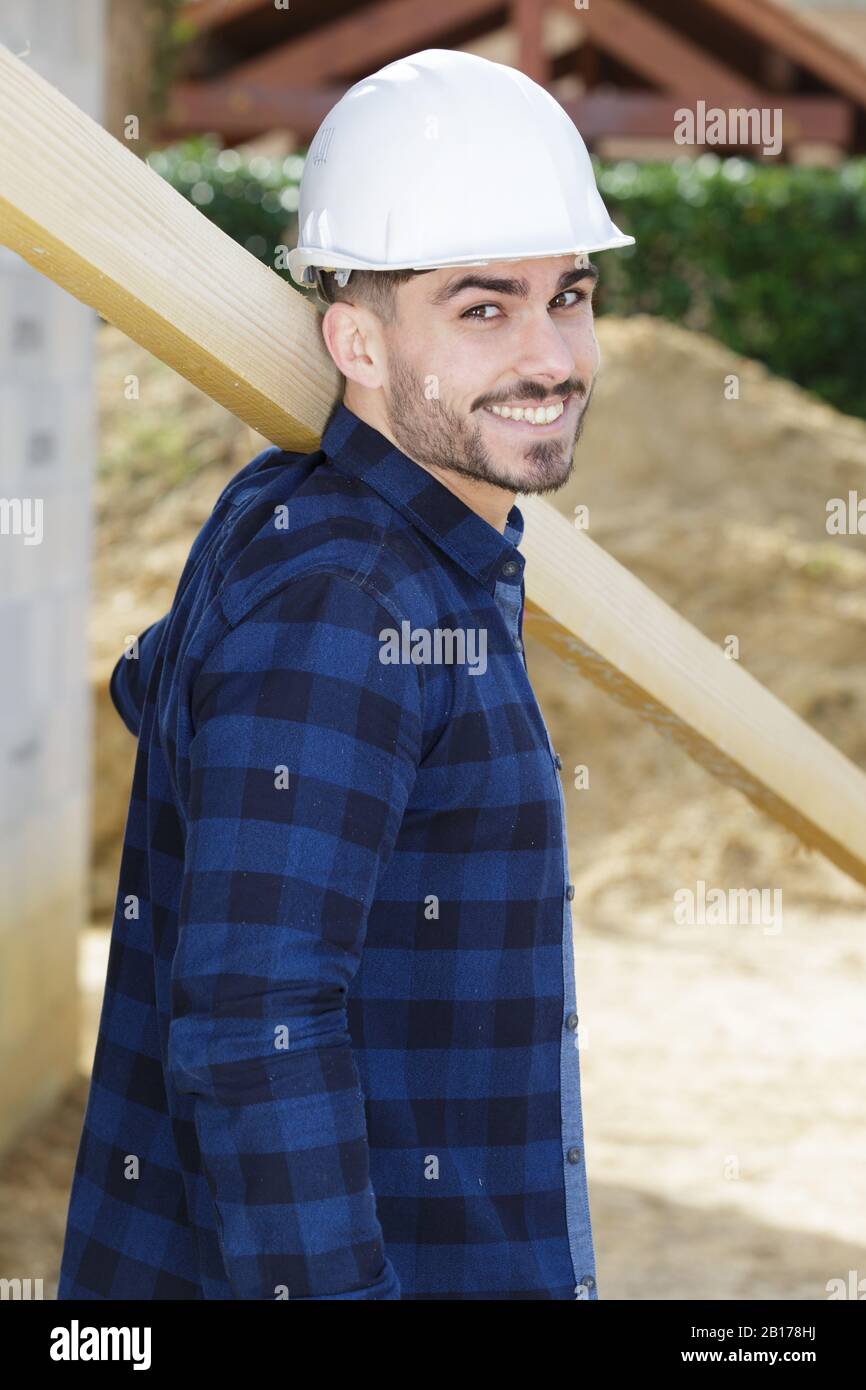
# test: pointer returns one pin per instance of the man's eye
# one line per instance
(468, 313)
(476, 310)
(579, 295)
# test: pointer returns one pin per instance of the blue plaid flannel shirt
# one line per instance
(337, 1053)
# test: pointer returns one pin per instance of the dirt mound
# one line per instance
(719, 505)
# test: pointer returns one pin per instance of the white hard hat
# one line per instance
(444, 158)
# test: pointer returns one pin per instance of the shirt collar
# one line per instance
(356, 448)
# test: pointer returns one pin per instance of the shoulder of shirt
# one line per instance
(288, 516)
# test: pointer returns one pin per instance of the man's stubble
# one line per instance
(433, 435)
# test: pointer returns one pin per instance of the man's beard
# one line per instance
(431, 434)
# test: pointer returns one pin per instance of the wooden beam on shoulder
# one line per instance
(85, 211)
(81, 208)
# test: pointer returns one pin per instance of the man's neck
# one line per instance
(491, 503)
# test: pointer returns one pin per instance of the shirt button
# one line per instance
(510, 567)
(572, 1022)
(573, 1155)
(557, 759)
(569, 892)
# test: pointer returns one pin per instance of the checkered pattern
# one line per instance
(336, 1055)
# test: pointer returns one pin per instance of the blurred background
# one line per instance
(723, 1077)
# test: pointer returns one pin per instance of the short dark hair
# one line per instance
(375, 289)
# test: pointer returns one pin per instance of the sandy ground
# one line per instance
(723, 1081)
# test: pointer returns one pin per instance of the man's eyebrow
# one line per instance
(518, 288)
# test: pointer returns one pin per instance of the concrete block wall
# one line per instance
(47, 449)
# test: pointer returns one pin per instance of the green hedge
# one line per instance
(253, 200)
(770, 259)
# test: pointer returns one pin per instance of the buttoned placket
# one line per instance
(509, 596)
(493, 559)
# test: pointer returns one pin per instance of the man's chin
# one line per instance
(549, 482)
(527, 476)
(547, 472)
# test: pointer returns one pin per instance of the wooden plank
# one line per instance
(362, 41)
(813, 49)
(210, 14)
(614, 630)
(241, 110)
(597, 114)
(658, 52)
(525, 16)
(93, 218)
(83, 209)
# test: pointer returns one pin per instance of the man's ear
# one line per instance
(354, 340)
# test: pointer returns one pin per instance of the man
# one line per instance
(337, 1053)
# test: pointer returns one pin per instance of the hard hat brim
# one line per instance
(301, 261)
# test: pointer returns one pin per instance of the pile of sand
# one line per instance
(719, 506)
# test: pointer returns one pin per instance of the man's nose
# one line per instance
(545, 352)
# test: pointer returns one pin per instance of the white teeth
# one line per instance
(542, 415)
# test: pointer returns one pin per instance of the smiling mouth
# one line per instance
(537, 417)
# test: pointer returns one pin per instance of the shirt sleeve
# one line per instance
(131, 674)
(305, 750)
